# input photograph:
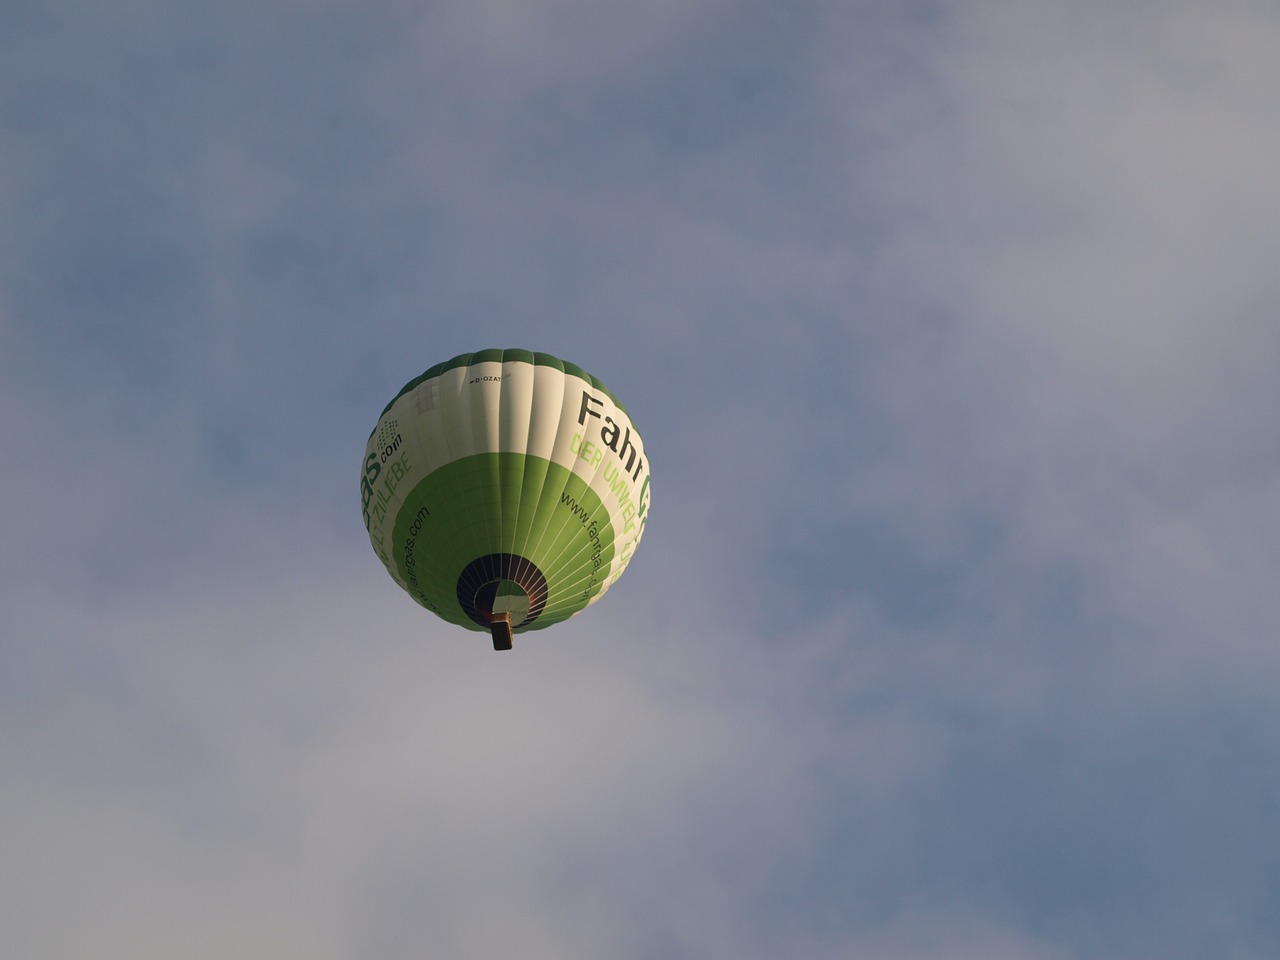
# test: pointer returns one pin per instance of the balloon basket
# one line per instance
(500, 627)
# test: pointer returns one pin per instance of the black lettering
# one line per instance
(609, 434)
(391, 448)
(585, 410)
(627, 445)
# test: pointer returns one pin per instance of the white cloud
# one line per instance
(952, 340)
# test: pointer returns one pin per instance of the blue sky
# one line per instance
(952, 332)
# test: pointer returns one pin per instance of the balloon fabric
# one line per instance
(505, 490)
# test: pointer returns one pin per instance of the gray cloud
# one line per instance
(949, 332)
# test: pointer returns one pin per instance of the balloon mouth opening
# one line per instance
(502, 585)
(503, 596)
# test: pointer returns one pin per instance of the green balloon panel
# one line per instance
(489, 504)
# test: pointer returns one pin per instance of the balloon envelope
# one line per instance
(505, 486)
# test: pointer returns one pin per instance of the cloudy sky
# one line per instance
(953, 331)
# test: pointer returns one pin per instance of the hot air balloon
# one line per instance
(505, 490)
